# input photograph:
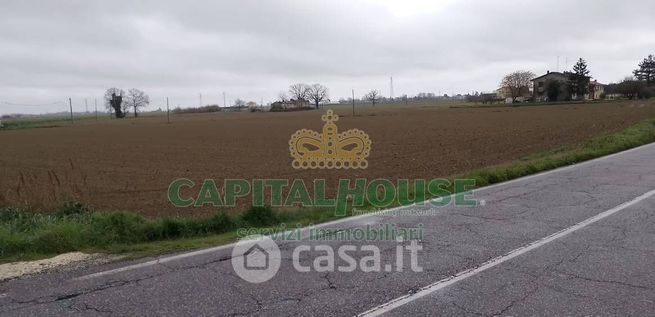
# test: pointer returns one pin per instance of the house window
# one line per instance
(541, 84)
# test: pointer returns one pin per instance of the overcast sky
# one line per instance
(52, 50)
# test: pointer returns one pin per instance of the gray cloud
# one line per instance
(253, 49)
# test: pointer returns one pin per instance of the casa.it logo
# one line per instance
(329, 149)
(256, 258)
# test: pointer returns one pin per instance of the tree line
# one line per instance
(319, 94)
(640, 85)
(315, 93)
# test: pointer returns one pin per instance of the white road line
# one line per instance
(400, 301)
(347, 219)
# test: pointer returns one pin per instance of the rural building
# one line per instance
(505, 93)
(290, 105)
(596, 90)
(540, 91)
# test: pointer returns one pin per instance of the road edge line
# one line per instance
(426, 290)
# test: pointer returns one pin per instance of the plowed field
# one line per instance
(128, 164)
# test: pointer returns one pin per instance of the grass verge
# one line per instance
(636, 135)
(26, 235)
(44, 122)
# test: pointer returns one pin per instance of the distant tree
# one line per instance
(632, 88)
(252, 106)
(299, 91)
(239, 103)
(318, 93)
(517, 82)
(646, 70)
(114, 101)
(282, 96)
(372, 96)
(612, 90)
(136, 99)
(579, 79)
(553, 88)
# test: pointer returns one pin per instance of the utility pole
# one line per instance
(70, 103)
(86, 106)
(200, 105)
(168, 111)
(391, 89)
(95, 101)
(224, 100)
(353, 103)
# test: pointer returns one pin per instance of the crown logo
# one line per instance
(330, 149)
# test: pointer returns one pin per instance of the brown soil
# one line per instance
(128, 164)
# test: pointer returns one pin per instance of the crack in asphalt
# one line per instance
(70, 296)
(515, 302)
(86, 307)
(585, 278)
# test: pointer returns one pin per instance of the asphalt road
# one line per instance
(575, 241)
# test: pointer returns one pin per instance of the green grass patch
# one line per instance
(636, 135)
(74, 227)
(48, 121)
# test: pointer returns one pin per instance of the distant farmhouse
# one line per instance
(540, 84)
(505, 93)
(596, 90)
(291, 105)
(553, 86)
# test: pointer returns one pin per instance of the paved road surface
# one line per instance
(576, 241)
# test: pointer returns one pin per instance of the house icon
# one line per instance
(256, 258)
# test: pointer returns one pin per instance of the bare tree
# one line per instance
(136, 99)
(372, 96)
(239, 103)
(318, 93)
(517, 82)
(114, 101)
(282, 96)
(299, 91)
